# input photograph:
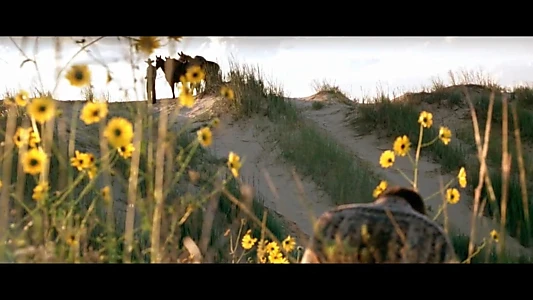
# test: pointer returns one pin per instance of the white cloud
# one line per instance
(449, 39)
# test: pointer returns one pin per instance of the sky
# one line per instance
(358, 65)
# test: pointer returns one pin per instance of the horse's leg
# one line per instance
(172, 87)
(154, 99)
(201, 87)
(198, 87)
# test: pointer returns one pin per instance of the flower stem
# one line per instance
(439, 191)
(469, 258)
(430, 142)
(420, 135)
(441, 208)
(404, 176)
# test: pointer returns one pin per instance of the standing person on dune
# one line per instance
(151, 72)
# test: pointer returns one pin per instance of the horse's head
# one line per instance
(159, 62)
(184, 58)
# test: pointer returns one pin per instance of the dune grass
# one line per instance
(309, 149)
(325, 86)
(393, 119)
(226, 216)
(174, 200)
(518, 221)
(487, 252)
(522, 101)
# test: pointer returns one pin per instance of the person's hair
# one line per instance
(411, 196)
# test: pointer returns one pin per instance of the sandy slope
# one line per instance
(272, 179)
(261, 169)
(333, 119)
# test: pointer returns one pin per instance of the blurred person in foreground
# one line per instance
(392, 229)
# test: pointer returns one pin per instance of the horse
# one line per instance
(211, 69)
(173, 69)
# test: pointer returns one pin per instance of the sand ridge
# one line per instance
(263, 170)
(366, 146)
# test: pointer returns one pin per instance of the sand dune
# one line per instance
(274, 180)
(365, 145)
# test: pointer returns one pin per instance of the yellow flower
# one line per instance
(82, 161)
(234, 163)
(282, 260)
(272, 247)
(71, 240)
(462, 177)
(215, 123)
(452, 196)
(494, 235)
(93, 112)
(386, 160)
(276, 257)
(186, 98)
(42, 109)
(89, 160)
(77, 160)
(40, 191)
(227, 93)
(22, 98)
(91, 172)
(261, 251)
(79, 75)
(106, 194)
(382, 186)
(33, 161)
(22, 136)
(426, 119)
(195, 74)
(34, 138)
(205, 137)
(147, 44)
(445, 135)
(119, 132)
(247, 241)
(288, 244)
(401, 145)
(126, 151)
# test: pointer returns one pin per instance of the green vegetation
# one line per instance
(303, 144)
(325, 86)
(317, 105)
(90, 232)
(394, 118)
(487, 252)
